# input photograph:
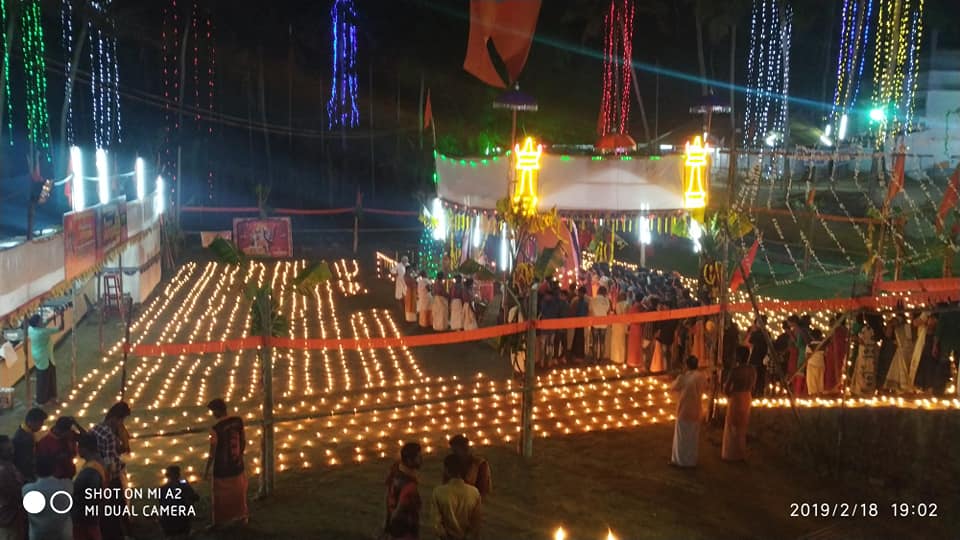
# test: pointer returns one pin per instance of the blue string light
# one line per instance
(854, 41)
(342, 108)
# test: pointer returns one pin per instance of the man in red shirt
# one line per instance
(60, 445)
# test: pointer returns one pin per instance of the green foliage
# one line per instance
(313, 275)
(471, 267)
(263, 310)
(549, 260)
(226, 251)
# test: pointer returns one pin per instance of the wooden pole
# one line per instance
(265, 305)
(529, 379)
(643, 110)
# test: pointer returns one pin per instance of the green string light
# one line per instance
(6, 70)
(34, 66)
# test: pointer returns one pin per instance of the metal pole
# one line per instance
(100, 302)
(73, 336)
(26, 363)
(126, 349)
(529, 379)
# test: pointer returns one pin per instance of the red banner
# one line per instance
(79, 242)
(263, 237)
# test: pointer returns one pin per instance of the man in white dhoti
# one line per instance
(399, 271)
(691, 385)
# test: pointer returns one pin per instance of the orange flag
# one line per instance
(951, 196)
(427, 112)
(738, 276)
(896, 182)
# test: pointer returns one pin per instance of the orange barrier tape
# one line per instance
(923, 285)
(446, 338)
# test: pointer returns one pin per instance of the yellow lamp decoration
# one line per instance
(694, 176)
(525, 191)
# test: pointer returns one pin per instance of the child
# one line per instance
(177, 495)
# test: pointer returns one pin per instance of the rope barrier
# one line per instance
(295, 211)
(448, 338)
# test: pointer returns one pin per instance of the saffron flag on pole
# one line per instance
(427, 112)
(896, 182)
(738, 276)
(951, 196)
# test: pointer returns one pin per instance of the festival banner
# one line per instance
(263, 237)
(111, 226)
(79, 242)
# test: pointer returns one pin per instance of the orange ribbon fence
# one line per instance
(446, 338)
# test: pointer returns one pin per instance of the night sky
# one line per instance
(400, 43)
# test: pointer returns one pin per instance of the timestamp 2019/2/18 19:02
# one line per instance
(862, 509)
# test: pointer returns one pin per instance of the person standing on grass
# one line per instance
(174, 494)
(455, 504)
(815, 363)
(93, 475)
(423, 300)
(12, 516)
(44, 364)
(691, 385)
(469, 315)
(599, 307)
(757, 343)
(403, 497)
(113, 441)
(25, 443)
(227, 443)
(476, 469)
(440, 307)
(49, 524)
(739, 386)
(400, 284)
(410, 296)
(60, 445)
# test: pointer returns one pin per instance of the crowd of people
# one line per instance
(43, 461)
(654, 347)
(447, 302)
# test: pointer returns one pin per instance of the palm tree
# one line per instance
(267, 322)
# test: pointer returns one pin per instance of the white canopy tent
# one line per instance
(569, 183)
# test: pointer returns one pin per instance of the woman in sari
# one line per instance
(410, 297)
(423, 300)
(739, 389)
(469, 316)
(864, 370)
(618, 333)
(635, 338)
(835, 357)
(440, 307)
(897, 376)
(456, 304)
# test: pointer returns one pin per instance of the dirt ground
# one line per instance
(616, 479)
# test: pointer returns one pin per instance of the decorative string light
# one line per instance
(854, 43)
(617, 70)
(104, 76)
(211, 93)
(899, 34)
(6, 71)
(170, 40)
(34, 66)
(342, 108)
(768, 73)
(66, 42)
